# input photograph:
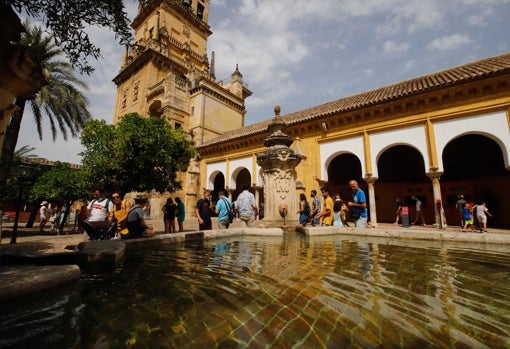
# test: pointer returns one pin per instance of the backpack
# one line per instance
(230, 210)
(306, 209)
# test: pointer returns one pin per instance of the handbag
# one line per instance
(355, 212)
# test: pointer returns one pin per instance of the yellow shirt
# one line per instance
(328, 205)
(120, 214)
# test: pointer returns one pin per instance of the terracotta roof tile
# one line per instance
(457, 75)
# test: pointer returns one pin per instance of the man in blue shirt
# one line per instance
(223, 207)
(358, 204)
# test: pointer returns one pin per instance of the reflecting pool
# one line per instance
(290, 292)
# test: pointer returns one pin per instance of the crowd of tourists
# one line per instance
(121, 218)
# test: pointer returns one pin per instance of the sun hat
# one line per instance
(44, 203)
(141, 197)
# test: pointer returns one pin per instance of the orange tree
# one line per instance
(136, 154)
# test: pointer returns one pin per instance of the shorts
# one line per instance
(223, 224)
(468, 221)
(303, 219)
(481, 219)
(361, 222)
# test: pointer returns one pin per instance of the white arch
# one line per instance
(236, 165)
(334, 155)
(233, 177)
(329, 150)
(492, 125)
(413, 137)
(389, 146)
(212, 169)
(210, 180)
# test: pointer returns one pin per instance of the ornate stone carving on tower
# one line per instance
(279, 174)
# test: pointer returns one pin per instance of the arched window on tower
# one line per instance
(155, 109)
(200, 11)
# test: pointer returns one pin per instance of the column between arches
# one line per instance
(436, 191)
(371, 200)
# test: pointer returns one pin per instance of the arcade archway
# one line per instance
(401, 174)
(341, 170)
(474, 167)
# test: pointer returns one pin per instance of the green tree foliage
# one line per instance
(137, 154)
(67, 21)
(61, 184)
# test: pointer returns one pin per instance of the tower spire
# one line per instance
(212, 73)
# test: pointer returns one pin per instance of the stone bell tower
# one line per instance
(279, 175)
(166, 73)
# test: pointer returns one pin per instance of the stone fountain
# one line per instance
(279, 175)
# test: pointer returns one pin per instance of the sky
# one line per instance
(301, 53)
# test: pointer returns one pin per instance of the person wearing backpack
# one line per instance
(224, 211)
(304, 210)
(99, 216)
(100, 208)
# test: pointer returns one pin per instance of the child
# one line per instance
(337, 214)
(468, 218)
(481, 215)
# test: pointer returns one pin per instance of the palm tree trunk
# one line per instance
(33, 216)
(63, 222)
(10, 141)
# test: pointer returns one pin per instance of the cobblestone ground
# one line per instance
(30, 241)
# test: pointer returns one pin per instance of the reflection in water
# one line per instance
(290, 292)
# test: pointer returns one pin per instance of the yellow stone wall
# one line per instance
(467, 105)
(212, 116)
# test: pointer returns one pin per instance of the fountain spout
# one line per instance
(283, 209)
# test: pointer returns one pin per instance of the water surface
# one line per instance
(290, 292)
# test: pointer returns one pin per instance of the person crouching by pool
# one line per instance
(135, 221)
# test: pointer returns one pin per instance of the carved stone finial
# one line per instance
(277, 110)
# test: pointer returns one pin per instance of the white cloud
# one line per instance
(298, 53)
(450, 42)
(390, 47)
(410, 64)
